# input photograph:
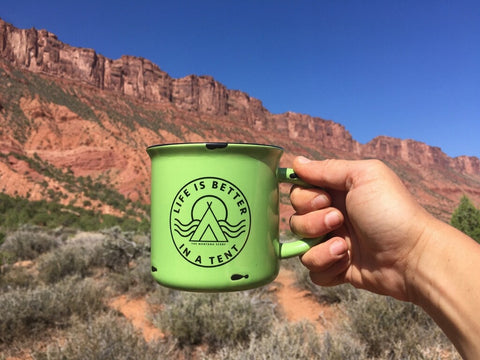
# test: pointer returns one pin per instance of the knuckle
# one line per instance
(308, 225)
(376, 165)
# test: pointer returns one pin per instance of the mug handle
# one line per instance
(300, 246)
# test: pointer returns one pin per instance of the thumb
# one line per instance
(331, 173)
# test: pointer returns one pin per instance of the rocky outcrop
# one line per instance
(410, 151)
(419, 154)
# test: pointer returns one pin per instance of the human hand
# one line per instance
(375, 223)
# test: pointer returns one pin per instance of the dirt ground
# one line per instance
(299, 304)
(136, 310)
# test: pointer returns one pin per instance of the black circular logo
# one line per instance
(209, 221)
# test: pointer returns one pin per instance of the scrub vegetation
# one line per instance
(56, 285)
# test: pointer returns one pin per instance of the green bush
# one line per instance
(16, 211)
(142, 277)
(341, 345)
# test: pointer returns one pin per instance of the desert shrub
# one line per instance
(120, 248)
(13, 277)
(392, 329)
(108, 337)
(81, 253)
(6, 258)
(162, 295)
(15, 211)
(375, 326)
(27, 312)
(66, 260)
(141, 276)
(283, 340)
(90, 244)
(217, 320)
(136, 280)
(341, 345)
(329, 295)
(125, 254)
(29, 242)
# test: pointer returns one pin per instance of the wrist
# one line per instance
(438, 251)
(439, 280)
(422, 262)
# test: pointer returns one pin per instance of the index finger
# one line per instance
(331, 173)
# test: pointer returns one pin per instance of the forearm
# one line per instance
(445, 284)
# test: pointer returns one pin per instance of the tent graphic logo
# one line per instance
(210, 221)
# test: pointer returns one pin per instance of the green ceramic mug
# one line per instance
(215, 215)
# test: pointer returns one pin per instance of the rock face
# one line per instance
(40, 51)
(79, 111)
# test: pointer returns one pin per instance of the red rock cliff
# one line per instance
(199, 108)
(40, 51)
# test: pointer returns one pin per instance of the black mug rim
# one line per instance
(215, 145)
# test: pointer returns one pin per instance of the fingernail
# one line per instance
(320, 202)
(332, 219)
(303, 160)
(338, 247)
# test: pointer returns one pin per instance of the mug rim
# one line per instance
(214, 144)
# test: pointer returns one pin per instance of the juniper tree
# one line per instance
(466, 218)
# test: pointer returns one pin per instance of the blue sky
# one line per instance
(408, 68)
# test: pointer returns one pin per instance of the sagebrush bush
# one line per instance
(111, 248)
(127, 256)
(393, 329)
(67, 260)
(375, 326)
(56, 293)
(14, 277)
(217, 320)
(29, 242)
(282, 340)
(24, 313)
(136, 280)
(142, 277)
(120, 248)
(342, 345)
(107, 337)
(328, 295)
